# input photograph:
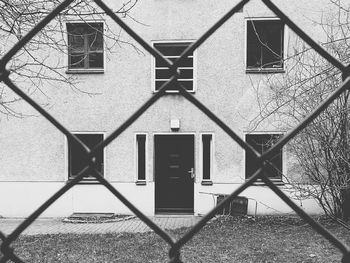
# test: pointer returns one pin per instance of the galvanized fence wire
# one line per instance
(89, 156)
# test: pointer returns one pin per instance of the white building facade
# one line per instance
(173, 158)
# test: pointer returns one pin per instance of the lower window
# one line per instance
(261, 143)
(207, 140)
(75, 153)
(141, 158)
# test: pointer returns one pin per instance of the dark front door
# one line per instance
(174, 173)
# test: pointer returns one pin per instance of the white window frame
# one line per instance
(201, 161)
(285, 47)
(153, 65)
(284, 157)
(136, 179)
(84, 70)
(67, 156)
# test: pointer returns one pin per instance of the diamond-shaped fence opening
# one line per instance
(89, 158)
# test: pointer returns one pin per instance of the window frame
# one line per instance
(277, 181)
(139, 181)
(85, 70)
(68, 154)
(284, 47)
(201, 152)
(194, 68)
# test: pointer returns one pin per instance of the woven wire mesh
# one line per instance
(90, 168)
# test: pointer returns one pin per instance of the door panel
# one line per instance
(174, 161)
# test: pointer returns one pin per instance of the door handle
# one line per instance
(191, 172)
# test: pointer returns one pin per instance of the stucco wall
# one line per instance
(222, 85)
(33, 150)
(20, 199)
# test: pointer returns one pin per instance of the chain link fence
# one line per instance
(89, 154)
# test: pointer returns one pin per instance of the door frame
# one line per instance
(194, 161)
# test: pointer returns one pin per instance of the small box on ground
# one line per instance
(237, 206)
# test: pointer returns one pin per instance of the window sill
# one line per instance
(140, 183)
(275, 182)
(174, 91)
(264, 70)
(91, 182)
(207, 182)
(85, 71)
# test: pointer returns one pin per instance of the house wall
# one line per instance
(33, 154)
(20, 199)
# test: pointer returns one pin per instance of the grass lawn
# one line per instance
(267, 239)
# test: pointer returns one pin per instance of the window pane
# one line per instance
(75, 28)
(206, 142)
(160, 83)
(188, 85)
(94, 27)
(76, 37)
(76, 42)
(76, 60)
(261, 143)
(172, 49)
(141, 156)
(265, 44)
(96, 60)
(165, 74)
(187, 62)
(95, 41)
(76, 153)
(272, 54)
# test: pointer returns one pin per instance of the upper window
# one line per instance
(172, 51)
(75, 153)
(265, 40)
(85, 46)
(261, 143)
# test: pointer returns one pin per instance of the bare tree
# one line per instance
(35, 70)
(322, 149)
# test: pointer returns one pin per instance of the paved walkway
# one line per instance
(55, 226)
